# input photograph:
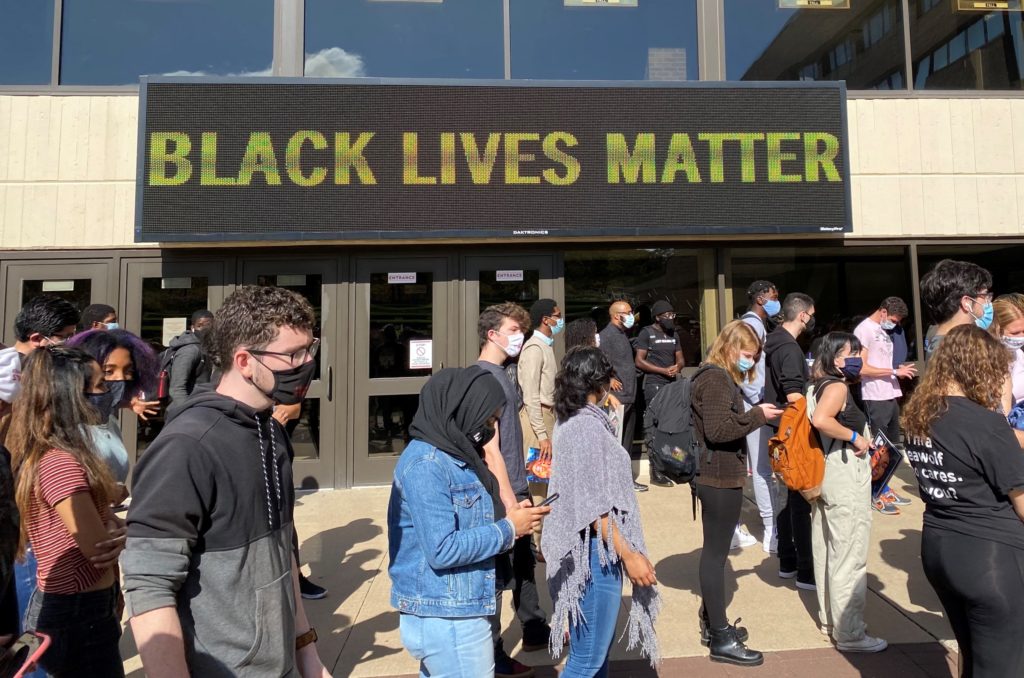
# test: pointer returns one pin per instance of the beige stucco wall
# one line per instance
(921, 167)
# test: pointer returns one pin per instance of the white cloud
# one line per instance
(333, 62)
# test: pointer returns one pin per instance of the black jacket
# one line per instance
(617, 348)
(785, 367)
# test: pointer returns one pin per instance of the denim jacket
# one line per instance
(442, 537)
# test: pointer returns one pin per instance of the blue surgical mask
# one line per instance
(984, 321)
(558, 326)
(744, 364)
(546, 339)
(628, 321)
(772, 307)
(1013, 343)
(888, 325)
(113, 326)
(851, 370)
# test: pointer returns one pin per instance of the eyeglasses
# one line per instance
(668, 316)
(983, 297)
(300, 357)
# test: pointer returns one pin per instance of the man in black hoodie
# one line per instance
(786, 382)
(210, 579)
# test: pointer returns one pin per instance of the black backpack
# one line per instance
(669, 431)
(167, 364)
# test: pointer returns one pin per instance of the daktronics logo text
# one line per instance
(529, 232)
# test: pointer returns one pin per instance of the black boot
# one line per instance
(726, 647)
(705, 625)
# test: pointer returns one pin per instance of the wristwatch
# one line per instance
(305, 639)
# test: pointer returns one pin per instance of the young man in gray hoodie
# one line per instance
(211, 583)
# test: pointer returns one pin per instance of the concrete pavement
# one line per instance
(344, 547)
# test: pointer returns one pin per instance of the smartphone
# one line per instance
(549, 501)
(23, 655)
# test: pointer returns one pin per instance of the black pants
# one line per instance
(793, 527)
(84, 632)
(884, 416)
(719, 513)
(980, 584)
(525, 598)
(629, 428)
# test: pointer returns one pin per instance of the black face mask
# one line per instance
(810, 324)
(668, 324)
(103, 403)
(291, 385)
(482, 435)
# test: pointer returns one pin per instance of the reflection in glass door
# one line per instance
(401, 338)
(315, 433)
(160, 298)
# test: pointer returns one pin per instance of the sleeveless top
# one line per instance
(851, 416)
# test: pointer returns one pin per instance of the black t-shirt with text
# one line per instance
(661, 350)
(966, 469)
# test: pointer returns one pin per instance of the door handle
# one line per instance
(330, 383)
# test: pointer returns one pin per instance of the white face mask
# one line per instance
(1013, 343)
(597, 341)
(515, 344)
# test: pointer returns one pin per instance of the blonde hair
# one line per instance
(735, 337)
(1008, 308)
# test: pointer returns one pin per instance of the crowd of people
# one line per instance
(205, 562)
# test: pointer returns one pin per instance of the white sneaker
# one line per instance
(741, 539)
(865, 644)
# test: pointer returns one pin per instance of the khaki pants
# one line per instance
(538, 491)
(840, 533)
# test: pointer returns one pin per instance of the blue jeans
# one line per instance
(591, 640)
(449, 648)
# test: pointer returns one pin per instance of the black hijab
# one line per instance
(455, 404)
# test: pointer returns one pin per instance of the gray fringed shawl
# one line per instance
(591, 473)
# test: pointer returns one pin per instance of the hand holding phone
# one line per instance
(549, 501)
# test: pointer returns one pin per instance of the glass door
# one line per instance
(80, 283)
(318, 433)
(401, 337)
(522, 279)
(159, 300)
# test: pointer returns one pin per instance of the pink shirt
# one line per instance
(879, 346)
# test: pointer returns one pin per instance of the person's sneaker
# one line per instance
(787, 574)
(506, 667)
(825, 630)
(885, 508)
(640, 487)
(741, 539)
(865, 644)
(309, 590)
(660, 480)
(807, 584)
(891, 497)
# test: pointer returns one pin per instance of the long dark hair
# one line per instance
(99, 344)
(828, 349)
(585, 370)
(580, 332)
(51, 413)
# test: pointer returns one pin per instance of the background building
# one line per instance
(936, 137)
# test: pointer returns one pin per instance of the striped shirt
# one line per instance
(63, 568)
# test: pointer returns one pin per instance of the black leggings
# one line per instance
(980, 584)
(719, 513)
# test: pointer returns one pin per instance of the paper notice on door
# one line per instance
(421, 354)
(402, 278)
(172, 327)
(509, 276)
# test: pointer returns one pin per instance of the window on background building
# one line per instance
(956, 49)
(585, 40)
(862, 44)
(405, 39)
(112, 42)
(26, 42)
(594, 279)
(846, 283)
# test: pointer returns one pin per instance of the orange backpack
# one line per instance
(796, 453)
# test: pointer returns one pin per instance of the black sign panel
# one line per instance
(286, 159)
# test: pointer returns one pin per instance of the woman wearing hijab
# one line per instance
(446, 524)
(594, 536)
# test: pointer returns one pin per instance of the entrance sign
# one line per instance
(258, 159)
(421, 354)
(401, 278)
(508, 276)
